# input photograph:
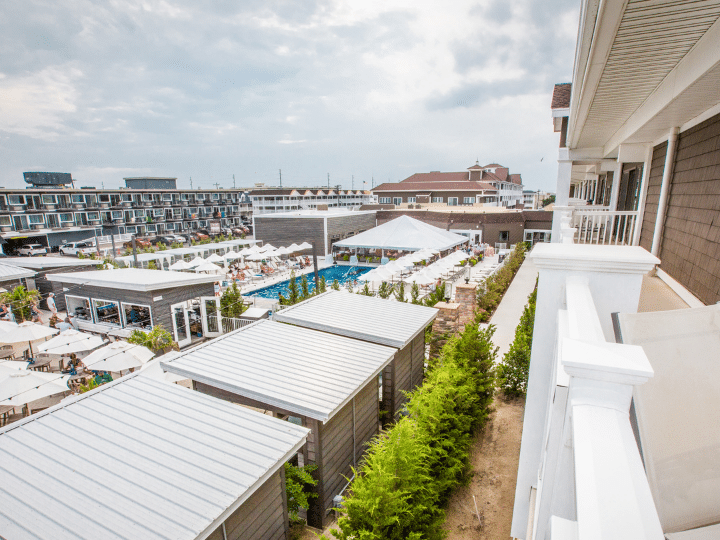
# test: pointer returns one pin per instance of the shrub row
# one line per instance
(491, 291)
(409, 471)
(514, 369)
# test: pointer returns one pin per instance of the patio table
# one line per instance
(41, 364)
(5, 413)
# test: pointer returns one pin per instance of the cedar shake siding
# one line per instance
(341, 227)
(690, 247)
(285, 231)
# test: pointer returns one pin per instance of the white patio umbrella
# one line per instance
(244, 252)
(304, 246)
(214, 258)
(197, 261)
(282, 251)
(70, 341)
(256, 257)
(154, 369)
(232, 255)
(254, 249)
(420, 278)
(180, 265)
(267, 247)
(11, 366)
(118, 356)
(208, 267)
(27, 332)
(24, 386)
(292, 248)
(459, 256)
(6, 326)
(434, 272)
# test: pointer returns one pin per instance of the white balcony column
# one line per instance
(615, 192)
(643, 194)
(614, 275)
(562, 197)
(664, 190)
(613, 500)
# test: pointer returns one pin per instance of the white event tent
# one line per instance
(404, 233)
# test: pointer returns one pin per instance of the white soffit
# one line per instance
(304, 371)
(138, 458)
(362, 317)
(678, 412)
(650, 41)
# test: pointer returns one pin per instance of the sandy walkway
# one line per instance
(494, 463)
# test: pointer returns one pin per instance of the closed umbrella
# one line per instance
(27, 331)
(25, 386)
(70, 341)
(118, 356)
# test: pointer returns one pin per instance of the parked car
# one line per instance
(237, 231)
(197, 236)
(32, 249)
(75, 248)
(179, 238)
(164, 238)
(139, 243)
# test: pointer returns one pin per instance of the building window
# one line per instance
(137, 315)
(397, 200)
(412, 199)
(66, 217)
(106, 311)
(78, 306)
(438, 199)
(37, 219)
(385, 200)
(469, 200)
(504, 236)
(452, 201)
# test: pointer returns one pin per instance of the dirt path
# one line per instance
(494, 462)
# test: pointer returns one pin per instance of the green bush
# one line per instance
(400, 292)
(385, 290)
(409, 471)
(514, 369)
(491, 291)
(335, 285)
(231, 302)
(296, 480)
(415, 294)
(157, 340)
(21, 300)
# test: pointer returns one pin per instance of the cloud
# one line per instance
(211, 89)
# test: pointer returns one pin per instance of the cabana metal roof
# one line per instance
(296, 369)
(361, 317)
(137, 458)
(42, 262)
(9, 272)
(404, 233)
(134, 279)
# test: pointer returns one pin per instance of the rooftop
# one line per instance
(331, 212)
(9, 272)
(41, 262)
(362, 317)
(306, 372)
(134, 279)
(137, 458)
(561, 96)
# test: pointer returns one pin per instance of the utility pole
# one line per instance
(191, 182)
(353, 183)
(372, 185)
(328, 180)
(280, 177)
(233, 181)
(217, 186)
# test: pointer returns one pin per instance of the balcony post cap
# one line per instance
(593, 258)
(607, 362)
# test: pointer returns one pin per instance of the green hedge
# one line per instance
(491, 291)
(409, 471)
(514, 369)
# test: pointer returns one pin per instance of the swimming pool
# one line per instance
(342, 273)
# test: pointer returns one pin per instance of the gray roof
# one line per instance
(10, 272)
(361, 317)
(303, 371)
(137, 458)
(133, 279)
(45, 261)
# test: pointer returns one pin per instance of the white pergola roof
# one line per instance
(371, 319)
(404, 233)
(306, 372)
(142, 257)
(9, 272)
(40, 262)
(134, 279)
(137, 458)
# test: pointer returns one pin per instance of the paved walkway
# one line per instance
(507, 315)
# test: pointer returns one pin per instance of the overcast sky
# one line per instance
(207, 89)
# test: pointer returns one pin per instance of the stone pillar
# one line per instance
(466, 296)
(445, 325)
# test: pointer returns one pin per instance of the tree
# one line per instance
(400, 292)
(293, 292)
(322, 285)
(415, 294)
(296, 478)
(157, 340)
(548, 200)
(231, 304)
(304, 287)
(21, 300)
(438, 295)
(335, 285)
(366, 290)
(385, 290)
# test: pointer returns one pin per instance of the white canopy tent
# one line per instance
(404, 233)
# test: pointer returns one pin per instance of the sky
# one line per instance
(204, 90)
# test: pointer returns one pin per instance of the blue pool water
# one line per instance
(342, 273)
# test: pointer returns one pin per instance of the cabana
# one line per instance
(120, 300)
(141, 458)
(402, 234)
(394, 324)
(328, 383)
(161, 259)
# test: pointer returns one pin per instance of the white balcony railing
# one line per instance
(601, 226)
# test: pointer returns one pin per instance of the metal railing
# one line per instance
(604, 227)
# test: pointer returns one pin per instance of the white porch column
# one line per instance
(643, 194)
(617, 176)
(562, 197)
(664, 191)
(618, 269)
